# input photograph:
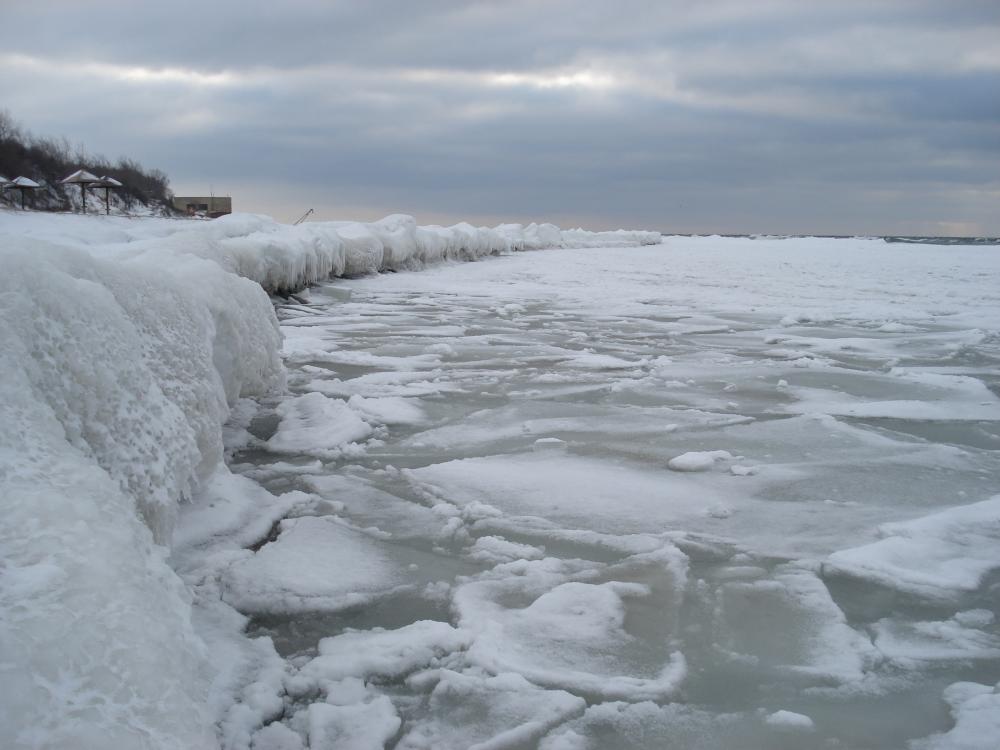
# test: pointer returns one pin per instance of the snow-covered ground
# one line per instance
(719, 493)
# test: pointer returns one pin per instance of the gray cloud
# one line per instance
(850, 116)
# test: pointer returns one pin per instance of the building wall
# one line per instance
(216, 205)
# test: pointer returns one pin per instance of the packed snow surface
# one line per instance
(717, 492)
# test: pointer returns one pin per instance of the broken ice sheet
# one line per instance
(781, 401)
(316, 563)
(473, 710)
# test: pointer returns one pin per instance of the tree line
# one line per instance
(48, 160)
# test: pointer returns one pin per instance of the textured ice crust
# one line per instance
(117, 378)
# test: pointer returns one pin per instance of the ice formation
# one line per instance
(123, 346)
(715, 505)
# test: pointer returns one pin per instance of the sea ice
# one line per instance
(383, 653)
(474, 712)
(317, 425)
(856, 408)
(936, 556)
(976, 709)
(698, 460)
(316, 563)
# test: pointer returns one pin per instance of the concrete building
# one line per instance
(212, 206)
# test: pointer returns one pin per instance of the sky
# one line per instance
(729, 116)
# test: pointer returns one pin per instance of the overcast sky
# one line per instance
(822, 116)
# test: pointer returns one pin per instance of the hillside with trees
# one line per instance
(48, 160)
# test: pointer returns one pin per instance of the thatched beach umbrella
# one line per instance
(108, 183)
(23, 184)
(84, 179)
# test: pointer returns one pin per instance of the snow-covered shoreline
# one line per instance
(284, 258)
(123, 347)
(533, 470)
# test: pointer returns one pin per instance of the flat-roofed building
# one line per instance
(212, 206)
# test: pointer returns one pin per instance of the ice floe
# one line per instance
(936, 556)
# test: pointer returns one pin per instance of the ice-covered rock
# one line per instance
(117, 377)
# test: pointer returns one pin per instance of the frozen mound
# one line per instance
(117, 378)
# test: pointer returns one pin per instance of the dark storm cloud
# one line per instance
(849, 116)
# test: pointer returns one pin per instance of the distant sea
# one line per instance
(888, 238)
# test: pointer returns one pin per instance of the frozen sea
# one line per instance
(716, 493)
